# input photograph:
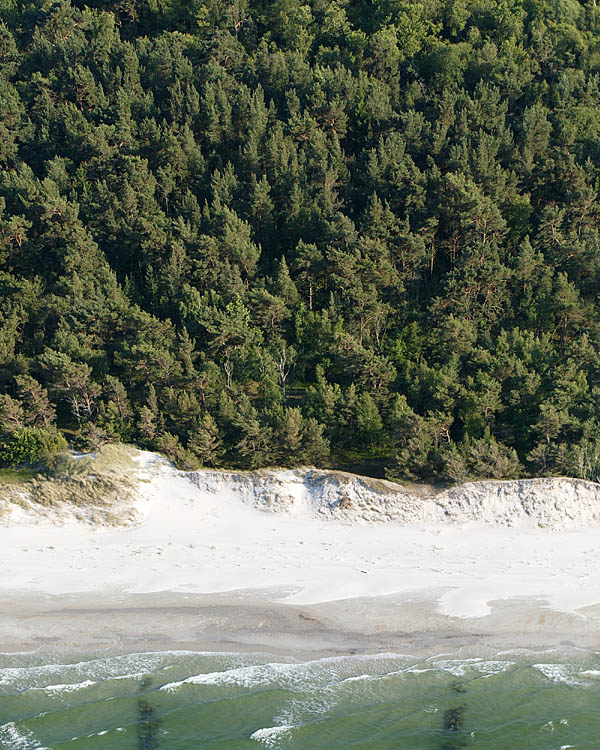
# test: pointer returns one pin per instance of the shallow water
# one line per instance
(180, 699)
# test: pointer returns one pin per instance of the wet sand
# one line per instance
(252, 621)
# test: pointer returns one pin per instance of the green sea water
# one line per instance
(179, 699)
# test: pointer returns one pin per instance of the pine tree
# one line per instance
(39, 412)
(206, 443)
(11, 414)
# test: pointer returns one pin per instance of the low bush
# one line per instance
(31, 445)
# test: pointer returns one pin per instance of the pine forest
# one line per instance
(347, 233)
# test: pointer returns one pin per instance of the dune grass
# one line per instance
(17, 476)
(97, 487)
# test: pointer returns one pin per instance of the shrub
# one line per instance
(30, 445)
(480, 459)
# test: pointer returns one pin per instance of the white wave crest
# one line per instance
(269, 736)
(306, 675)
(461, 667)
(16, 739)
(109, 668)
(562, 673)
(67, 687)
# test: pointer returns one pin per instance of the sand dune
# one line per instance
(300, 538)
(557, 504)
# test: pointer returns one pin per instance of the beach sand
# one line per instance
(205, 571)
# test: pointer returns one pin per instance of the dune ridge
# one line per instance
(555, 503)
(114, 495)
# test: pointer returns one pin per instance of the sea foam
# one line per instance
(562, 673)
(269, 735)
(15, 739)
(306, 675)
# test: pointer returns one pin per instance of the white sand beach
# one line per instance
(218, 565)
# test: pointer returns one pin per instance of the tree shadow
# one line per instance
(453, 722)
(148, 723)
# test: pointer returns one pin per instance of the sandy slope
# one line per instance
(201, 539)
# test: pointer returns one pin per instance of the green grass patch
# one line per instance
(17, 476)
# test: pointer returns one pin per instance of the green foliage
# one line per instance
(205, 443)
(252, 232)
(368, 420)
(481, 459)
(23, 447)
(30, 445)
(17, 476)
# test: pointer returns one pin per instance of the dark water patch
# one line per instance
(453, 723)
(148, 723)
(454, 719)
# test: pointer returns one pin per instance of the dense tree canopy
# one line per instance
(253, 232)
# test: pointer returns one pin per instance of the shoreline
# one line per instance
(251, 622)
